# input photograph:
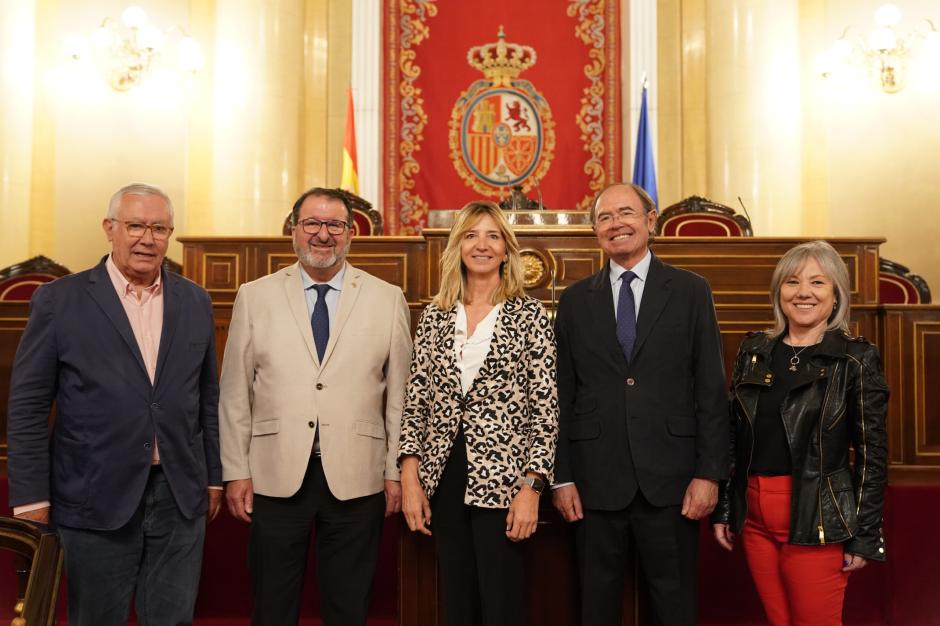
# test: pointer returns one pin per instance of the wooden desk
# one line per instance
(739, 271)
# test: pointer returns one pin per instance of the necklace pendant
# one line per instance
(792, 368)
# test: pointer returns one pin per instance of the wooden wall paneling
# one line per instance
(13, 316)
(911, 353)
(890, 343)
(926, 364)
(737, 320)
(739, 271)
(418, 566)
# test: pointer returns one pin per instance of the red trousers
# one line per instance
(798, 585)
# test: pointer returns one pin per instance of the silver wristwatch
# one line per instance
(537, 484)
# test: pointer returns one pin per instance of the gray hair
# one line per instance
(137, 189)
(832, 266)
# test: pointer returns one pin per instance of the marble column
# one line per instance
(753, 111)
(17, 30)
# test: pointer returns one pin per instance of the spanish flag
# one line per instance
(350, 181)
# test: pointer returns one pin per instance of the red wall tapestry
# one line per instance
(481, 96)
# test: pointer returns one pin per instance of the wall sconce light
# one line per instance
(884, 50)
(127, 50)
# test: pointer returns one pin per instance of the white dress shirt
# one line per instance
(471, 351)
(641, 269)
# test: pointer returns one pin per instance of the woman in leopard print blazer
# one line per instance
(480, 421)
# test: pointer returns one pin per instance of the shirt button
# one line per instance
(319, 386)
(311, 424)
(631, 382)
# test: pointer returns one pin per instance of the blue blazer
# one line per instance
(78, 350)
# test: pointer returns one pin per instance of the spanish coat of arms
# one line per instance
(501, 128)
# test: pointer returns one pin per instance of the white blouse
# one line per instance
(470, 352)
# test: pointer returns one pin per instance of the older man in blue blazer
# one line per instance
(126, 351)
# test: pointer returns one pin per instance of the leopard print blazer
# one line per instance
(509, 415)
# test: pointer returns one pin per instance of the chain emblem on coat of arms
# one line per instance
(501, 128)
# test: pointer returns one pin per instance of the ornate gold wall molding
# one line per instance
(407, 29)
(597, 25)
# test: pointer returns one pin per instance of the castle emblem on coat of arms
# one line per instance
(501, 128)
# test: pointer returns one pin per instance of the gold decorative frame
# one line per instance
(598, 117)
(406, 29)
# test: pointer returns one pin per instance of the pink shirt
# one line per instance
(145, 314)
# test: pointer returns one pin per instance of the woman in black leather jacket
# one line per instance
(803, 394)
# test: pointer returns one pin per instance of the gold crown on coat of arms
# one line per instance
(499, 61)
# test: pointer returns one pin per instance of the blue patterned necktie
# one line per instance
(320, 320)
(626, 315)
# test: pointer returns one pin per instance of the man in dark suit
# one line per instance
(127, 353)
(643, 416)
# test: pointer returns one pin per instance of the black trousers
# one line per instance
(667, 546)
(482, 573)
(347, 535)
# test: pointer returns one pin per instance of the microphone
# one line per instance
(741, 202)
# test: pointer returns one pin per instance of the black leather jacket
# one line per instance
(840, 401)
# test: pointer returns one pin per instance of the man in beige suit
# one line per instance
(313, 382)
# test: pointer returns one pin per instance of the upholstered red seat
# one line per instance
(699, 217)
(366, 221)
(897, 285)
(19, 281)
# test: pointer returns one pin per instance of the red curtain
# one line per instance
(453, 134)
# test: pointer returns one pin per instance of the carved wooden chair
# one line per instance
(699, 217)
(38, 560)
(172, 266)
(19, 281)
(366, 220)
(897, 285)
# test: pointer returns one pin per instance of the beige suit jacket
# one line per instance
(274, 392)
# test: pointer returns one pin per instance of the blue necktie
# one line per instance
(626, 315)
(320, 320)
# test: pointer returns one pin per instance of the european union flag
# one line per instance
(644, 171)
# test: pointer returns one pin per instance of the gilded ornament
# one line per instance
(501, 128)
(535, 270)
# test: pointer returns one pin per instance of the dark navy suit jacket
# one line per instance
(652, 424)
(78, 350)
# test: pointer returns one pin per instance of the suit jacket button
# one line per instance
(311, 424)
(147, 446)
(319, 386)
(631, 382)
(155, 405)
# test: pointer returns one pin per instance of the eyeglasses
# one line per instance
(623, 215)
(312, 226)
(138, 229)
